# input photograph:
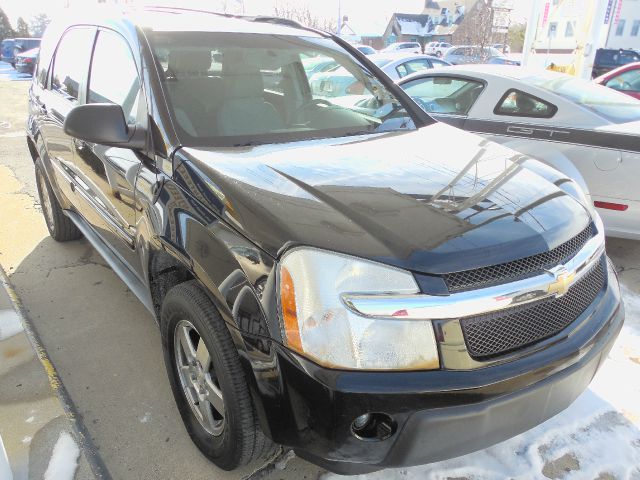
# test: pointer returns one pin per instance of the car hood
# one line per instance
(434, 200)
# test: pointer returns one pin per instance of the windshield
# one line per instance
(237, 89)
(606, 102)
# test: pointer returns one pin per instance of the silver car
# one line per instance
(467, 54)
(587, 131)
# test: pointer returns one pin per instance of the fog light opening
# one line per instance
(373, 427)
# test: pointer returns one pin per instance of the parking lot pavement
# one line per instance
(32, 418)
(7, 72)
(104, 344)
(106, 348)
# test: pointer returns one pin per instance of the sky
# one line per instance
(363, 14)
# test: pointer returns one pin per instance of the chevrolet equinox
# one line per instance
(331, 271)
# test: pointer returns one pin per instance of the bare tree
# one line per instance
(22, 29)
(38, 24)
(303, 15)
(477, 27)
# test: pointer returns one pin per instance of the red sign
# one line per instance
(545, 14)
(617, 18)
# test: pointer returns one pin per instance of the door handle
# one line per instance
(79, 144)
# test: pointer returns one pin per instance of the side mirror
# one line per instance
(104, 123)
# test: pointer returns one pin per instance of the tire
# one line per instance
(438, 54)
(60, 227)
(238, 439)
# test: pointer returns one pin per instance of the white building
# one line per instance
(625, 32)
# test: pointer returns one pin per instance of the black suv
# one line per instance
(339, 275)
(608, 58)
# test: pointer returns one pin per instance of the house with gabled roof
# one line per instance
(438, 22)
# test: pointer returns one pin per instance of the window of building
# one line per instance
(520, 104)
(569, 30)
(553, 29)
(635, 28)
(620, 27)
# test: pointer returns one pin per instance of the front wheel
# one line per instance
(60, 227)
(207, 380)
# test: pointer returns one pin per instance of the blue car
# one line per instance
(6, 51)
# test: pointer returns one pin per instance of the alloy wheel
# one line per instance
(198, 378)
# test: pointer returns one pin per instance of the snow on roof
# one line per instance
(414, 24)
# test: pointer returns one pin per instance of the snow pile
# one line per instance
(64, 459)
(10, 324)
(5, 468)
(598, 434)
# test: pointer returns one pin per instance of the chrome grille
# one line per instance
(502, 332)
(504, 272)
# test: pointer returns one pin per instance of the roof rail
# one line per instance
(257, 18)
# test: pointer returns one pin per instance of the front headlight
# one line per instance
(318, 325)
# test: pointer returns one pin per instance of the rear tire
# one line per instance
(60, 227)
(230, 438)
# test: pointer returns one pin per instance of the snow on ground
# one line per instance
(5, 468)
(9, 323)
(64, 459)
(597, 437)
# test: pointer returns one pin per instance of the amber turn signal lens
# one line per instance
(289, 312)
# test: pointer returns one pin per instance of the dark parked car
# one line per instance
(6, 50)
(21, 45)
(26, 62)
(368, 287)
(607, 59)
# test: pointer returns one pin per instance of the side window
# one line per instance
(520, 104)
(438, 63)
(413, 66)
(114, 77)
(444, 94)
(71, 61)
(628, 81)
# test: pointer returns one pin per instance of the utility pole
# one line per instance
(532, 31)
(586, 53)
(339, 17)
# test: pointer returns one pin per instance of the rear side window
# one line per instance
(520, 104)
(114, 77)
(71, 62)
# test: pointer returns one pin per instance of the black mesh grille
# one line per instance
(515, 328)
(505, 272)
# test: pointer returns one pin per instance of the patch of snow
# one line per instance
(146, 417)
(30, 419)
(5, 468)
(64, 459)
(284, 460)
(10, 324)
(601, 429)
(26, 440)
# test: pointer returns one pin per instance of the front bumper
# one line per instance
(437, 414)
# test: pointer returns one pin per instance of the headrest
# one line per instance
(242, 80)
(189, 61)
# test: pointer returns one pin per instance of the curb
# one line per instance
(80, 432)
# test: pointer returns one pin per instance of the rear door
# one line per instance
(107, 175)
(64, 91)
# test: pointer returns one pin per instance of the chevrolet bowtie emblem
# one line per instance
(562, 281)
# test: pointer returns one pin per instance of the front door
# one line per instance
(108, 174)
(68, 72)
